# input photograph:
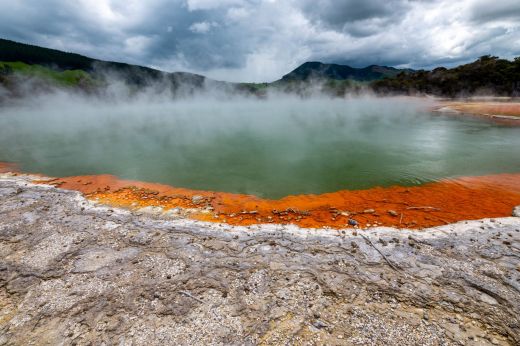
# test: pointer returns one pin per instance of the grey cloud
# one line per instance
(57, 23)
(260, 40)
(353, 16)
(368, 27)
(220, 46)
(486, 11)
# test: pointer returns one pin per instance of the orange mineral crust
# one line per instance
(6, 167)
(506, 113)
(413, 207)
(485, 108)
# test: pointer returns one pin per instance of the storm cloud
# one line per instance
(260, 40)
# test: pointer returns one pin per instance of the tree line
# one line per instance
(487, 75)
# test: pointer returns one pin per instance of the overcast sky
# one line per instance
(261, 40)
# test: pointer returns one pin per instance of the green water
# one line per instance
(268, 148)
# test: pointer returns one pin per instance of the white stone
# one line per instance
(488, 299)
(151, 210)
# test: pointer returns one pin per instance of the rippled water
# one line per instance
(268, 148)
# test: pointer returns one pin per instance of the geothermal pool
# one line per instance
(270, 148)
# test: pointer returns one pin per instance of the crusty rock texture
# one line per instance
(72, 272)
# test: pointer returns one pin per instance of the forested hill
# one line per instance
(488, 75)
(11, 51)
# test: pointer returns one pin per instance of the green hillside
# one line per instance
(67, 78)
(55, 60)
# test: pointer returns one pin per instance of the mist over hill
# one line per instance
(26, 70)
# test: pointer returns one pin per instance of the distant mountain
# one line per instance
(320, 71)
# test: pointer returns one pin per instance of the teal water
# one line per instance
(268, 148)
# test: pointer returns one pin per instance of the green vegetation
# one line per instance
(332, 87)
(255, 87)
(67, 78)
(487, 75)
(22, 62)
(258, 89)
(134, 75)
(341, 87)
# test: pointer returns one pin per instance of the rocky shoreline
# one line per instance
(75, 272)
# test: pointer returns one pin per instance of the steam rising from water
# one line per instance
(274, 147)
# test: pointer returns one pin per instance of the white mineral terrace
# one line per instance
(75, 272)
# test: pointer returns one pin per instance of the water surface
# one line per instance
(268, 148)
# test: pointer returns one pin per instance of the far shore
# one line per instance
(503, 110)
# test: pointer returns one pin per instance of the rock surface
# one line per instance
(72, 272)
(516, 211)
